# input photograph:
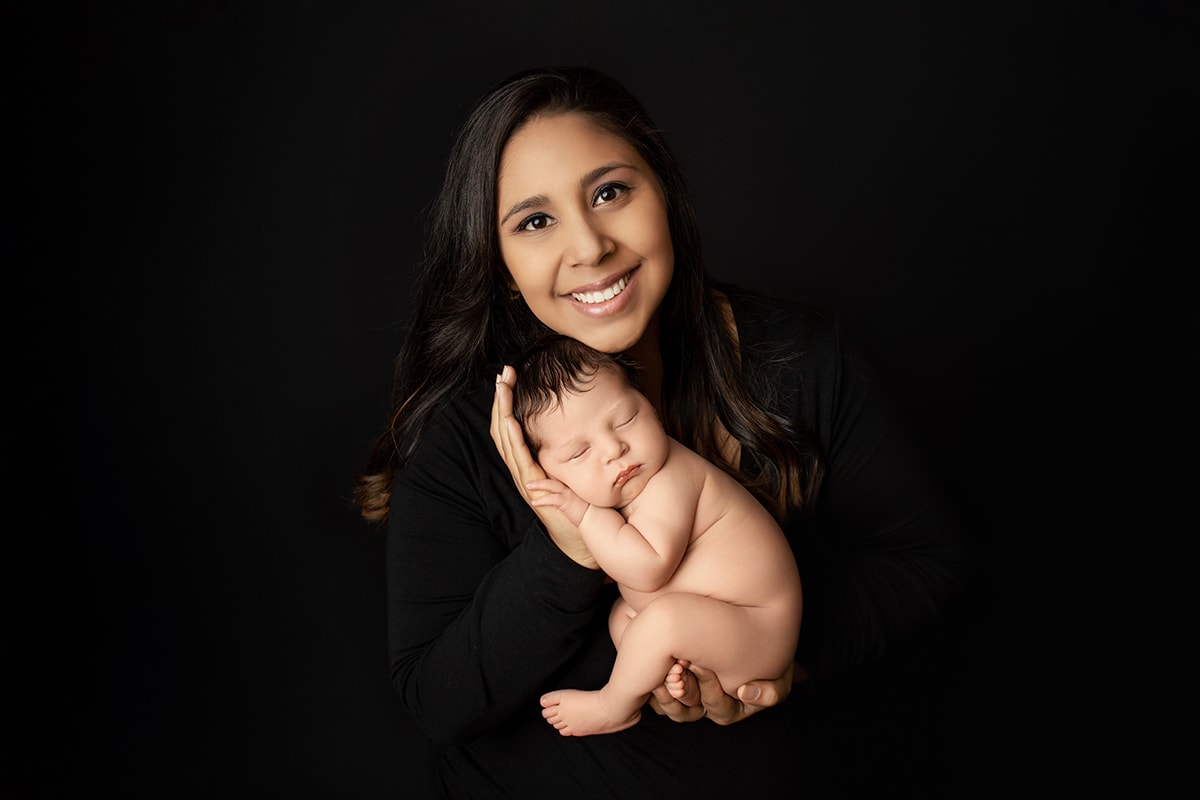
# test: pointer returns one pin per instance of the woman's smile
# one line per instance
(600, 291)
(605, 298)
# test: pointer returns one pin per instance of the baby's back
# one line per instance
(737, 551)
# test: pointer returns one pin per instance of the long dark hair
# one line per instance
(465, 322)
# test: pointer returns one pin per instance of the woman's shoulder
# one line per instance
(781, 324)
(455, 431)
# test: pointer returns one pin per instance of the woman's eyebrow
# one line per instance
(600, 171)
(528, 202)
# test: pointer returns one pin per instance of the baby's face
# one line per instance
(604, 443)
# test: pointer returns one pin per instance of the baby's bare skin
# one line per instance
(705, 573)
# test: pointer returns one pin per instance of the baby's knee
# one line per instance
(621, 610)
(667, 611)
(618, 620)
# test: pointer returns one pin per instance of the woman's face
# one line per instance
(583, 230)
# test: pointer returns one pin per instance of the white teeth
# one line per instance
(600, 297)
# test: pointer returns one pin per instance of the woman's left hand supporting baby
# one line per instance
(716, 705)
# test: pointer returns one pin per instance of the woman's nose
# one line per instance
(588, 243)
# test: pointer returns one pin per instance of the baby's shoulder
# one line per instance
(686, 467)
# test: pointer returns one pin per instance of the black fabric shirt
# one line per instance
(485, 614)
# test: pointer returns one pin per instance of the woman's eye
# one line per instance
(609, 192)
(536, 222)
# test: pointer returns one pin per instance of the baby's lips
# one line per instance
(627, 473)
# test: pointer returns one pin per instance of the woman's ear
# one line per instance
(513, 290)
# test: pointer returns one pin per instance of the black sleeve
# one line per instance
(482, 607)
(882, 552)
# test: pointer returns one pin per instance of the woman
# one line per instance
(562, 209)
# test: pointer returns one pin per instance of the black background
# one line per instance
(219, 217)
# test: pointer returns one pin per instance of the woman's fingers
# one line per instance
(506, 432)
(764, 694)
(509, 437)
(527, 469)
(722, 708)
(664, 704)
(718, 706)
(759, 693)
(501, 406)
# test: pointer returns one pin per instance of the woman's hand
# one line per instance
(722, 708)
(510, 442)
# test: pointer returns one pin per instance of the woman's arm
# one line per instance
(482, 607)
(882, 552)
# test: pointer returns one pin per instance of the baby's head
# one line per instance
(555, 368)
(586, 420)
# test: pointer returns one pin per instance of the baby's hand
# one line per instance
(555, 493)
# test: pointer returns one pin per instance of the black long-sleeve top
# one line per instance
(485, 614)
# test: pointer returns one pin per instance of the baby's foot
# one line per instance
(682, 684)
(577, 713)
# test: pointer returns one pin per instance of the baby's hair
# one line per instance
(555, 365)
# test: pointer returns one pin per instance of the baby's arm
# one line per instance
(642, 556)
(555, 493)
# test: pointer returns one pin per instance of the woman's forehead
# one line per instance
(555, 146)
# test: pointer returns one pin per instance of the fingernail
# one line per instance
(750, 693)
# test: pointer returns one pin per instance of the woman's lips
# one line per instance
(613, 305)
(626, 474)
(600, 291)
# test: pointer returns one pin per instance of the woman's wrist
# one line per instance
(567, 539)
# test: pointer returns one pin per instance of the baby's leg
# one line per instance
(734, 641)
(617, 705)
(739, 643)
(618, 619)
(679, 682)
(578, 713)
